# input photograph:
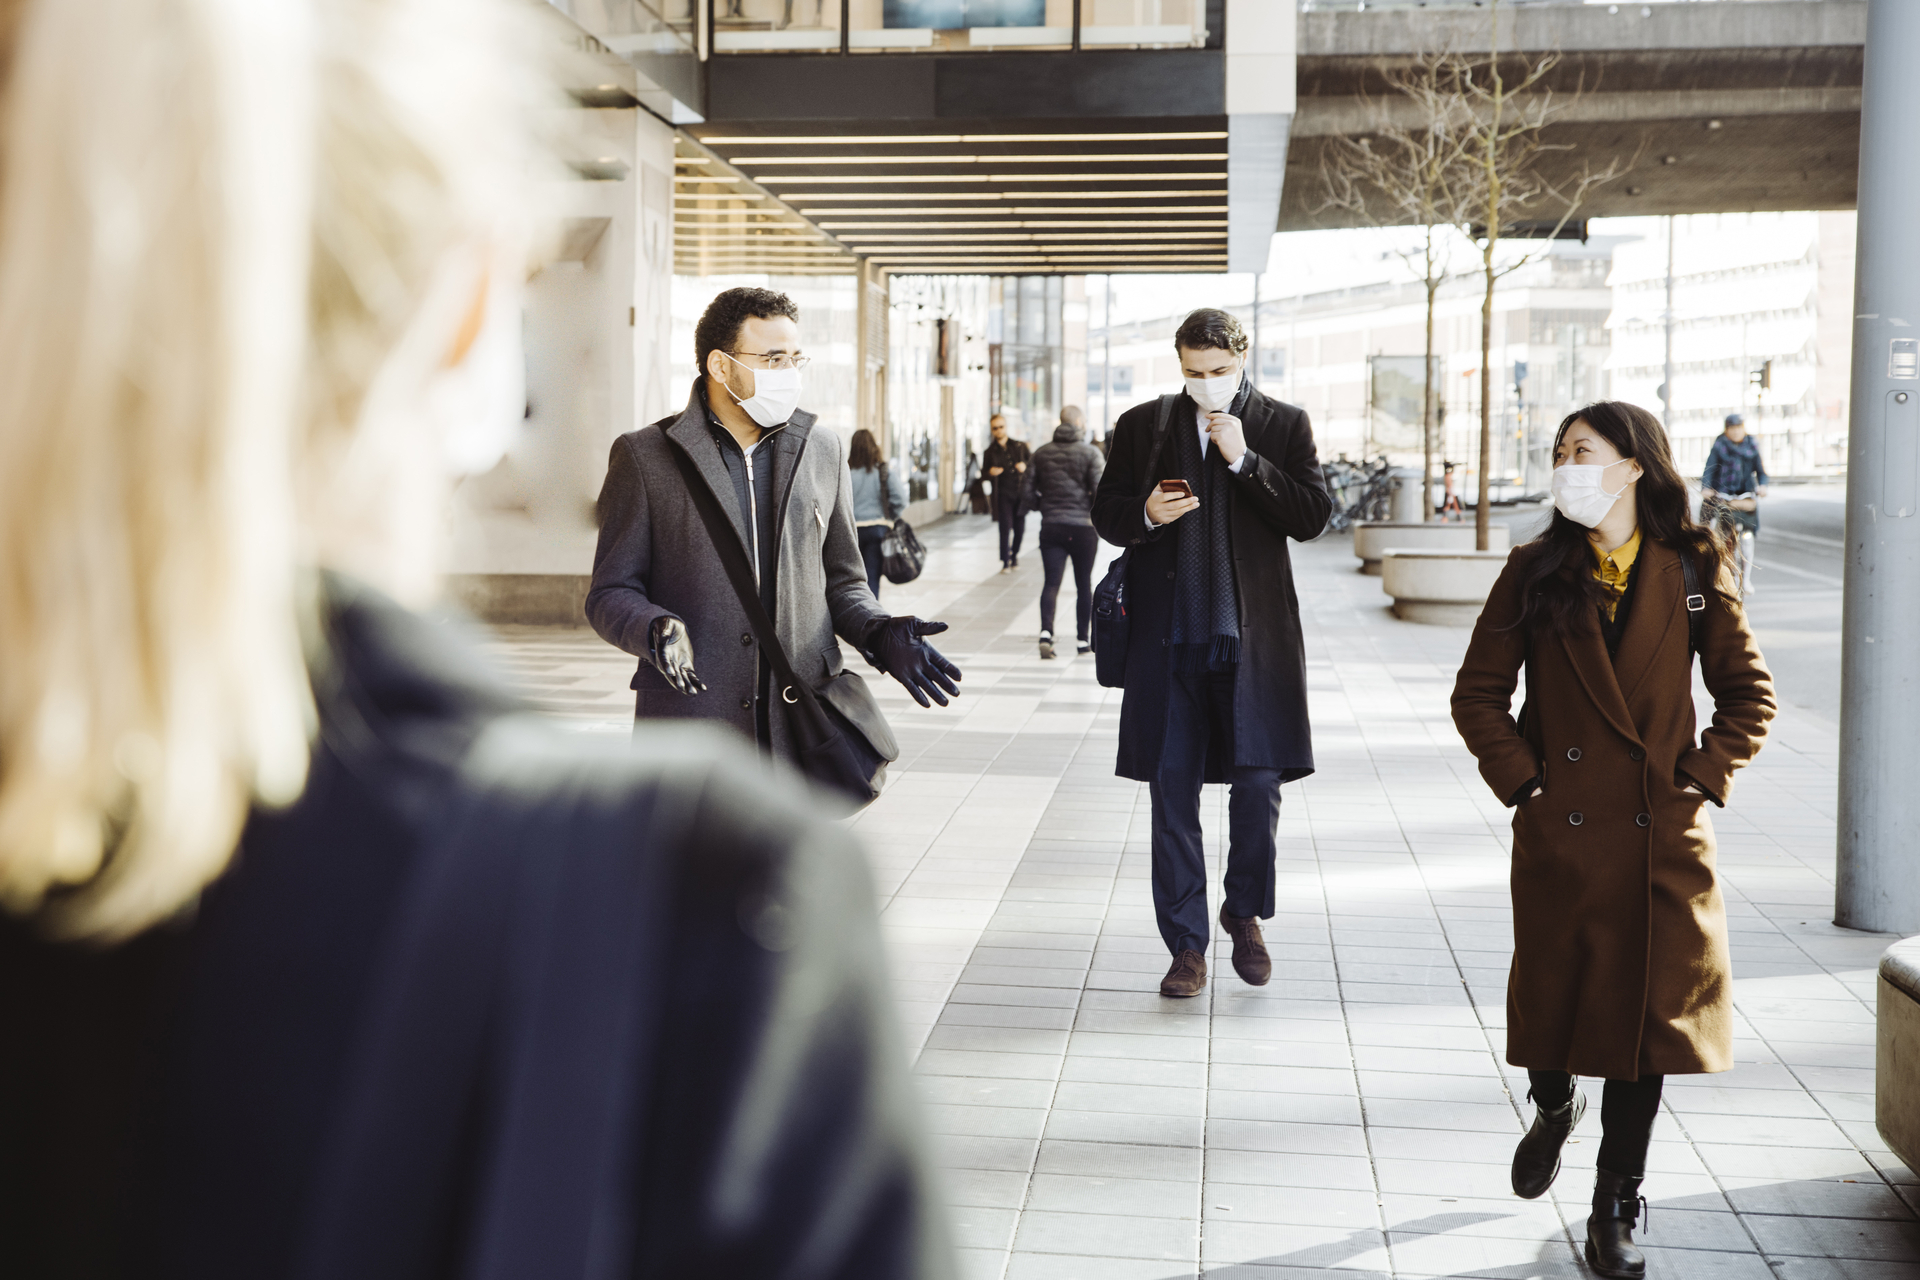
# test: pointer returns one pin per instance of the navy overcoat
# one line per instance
(1278, 494)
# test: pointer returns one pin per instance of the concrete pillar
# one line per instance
(1879, 828)
(596, 336)
(1260, 50)
(870, 353)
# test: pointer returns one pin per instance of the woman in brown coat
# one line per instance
(1620, 965)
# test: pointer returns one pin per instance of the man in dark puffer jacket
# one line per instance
(1065, 475)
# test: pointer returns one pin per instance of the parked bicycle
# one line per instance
(1360, 492)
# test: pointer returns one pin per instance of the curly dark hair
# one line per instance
(1558, 591)
(719, 326)
(1211, 328)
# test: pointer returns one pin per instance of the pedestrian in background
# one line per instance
(321, 954)
(1620, 965)
(1066, 473)
(1205, 487)
(878, 499)
(1005, 464)
(1731, 488)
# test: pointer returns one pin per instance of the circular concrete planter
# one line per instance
(1443, 587)
(1371, 539)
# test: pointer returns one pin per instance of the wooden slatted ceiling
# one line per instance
(1002, 202)
(724, 223)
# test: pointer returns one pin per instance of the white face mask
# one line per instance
(1580, 493)
(1214, 394)
(776, 394)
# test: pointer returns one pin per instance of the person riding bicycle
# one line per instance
(1731, 487)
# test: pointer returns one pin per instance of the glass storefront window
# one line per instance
(776, 26)
(948, 26)
(937, 392)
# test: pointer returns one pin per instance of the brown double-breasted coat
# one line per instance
(1620, 963)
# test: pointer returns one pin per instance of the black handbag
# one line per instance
(1110, 627)
(901, 555)
(845, 743)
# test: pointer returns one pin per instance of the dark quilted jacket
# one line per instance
(1065, 474)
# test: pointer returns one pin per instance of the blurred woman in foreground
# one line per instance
(321, 957)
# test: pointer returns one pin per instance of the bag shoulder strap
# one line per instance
(886, 494)
(1696, 603)
(733, 558)
(1160, 419)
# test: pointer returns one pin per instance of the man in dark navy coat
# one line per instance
(1216, 687)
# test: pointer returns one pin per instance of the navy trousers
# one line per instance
(1199, 712)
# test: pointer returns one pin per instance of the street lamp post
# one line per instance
(1878, 852)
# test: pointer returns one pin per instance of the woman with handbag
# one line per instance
(878, 499)
(1620, 966)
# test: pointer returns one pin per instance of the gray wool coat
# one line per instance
(655, 560)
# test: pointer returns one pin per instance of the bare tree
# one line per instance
(1505, 122)
(1466, 147)
(1410, 170)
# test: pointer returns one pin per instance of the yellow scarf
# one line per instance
(1612, 569)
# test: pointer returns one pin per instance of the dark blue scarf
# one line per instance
(1206, 603)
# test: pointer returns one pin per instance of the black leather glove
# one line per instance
(896, 648)
(671, 653)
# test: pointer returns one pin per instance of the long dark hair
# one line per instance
(863, 454)
(1560, 602)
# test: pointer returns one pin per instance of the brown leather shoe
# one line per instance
(1250, 959)
(1188, 977)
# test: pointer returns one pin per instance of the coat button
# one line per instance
(1163, 644)
(746, 638)
(1574, 819)
(746, 704)
(1169, 575)
(1644, 820)
(1636, 754)
(1573, 753)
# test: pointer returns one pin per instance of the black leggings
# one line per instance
(1627, 1111)
(1057, 542)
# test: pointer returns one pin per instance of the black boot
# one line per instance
(1536, 1161)
(1617, 1206)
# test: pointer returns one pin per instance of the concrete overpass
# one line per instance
(1730, 106)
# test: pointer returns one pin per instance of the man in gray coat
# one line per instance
(659, 586)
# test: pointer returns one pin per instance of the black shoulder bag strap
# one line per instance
(886, 495)
(733, 558)
(1696, 603)
(1160, 420)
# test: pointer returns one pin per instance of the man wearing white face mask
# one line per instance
(1204, 488)
(660, 587)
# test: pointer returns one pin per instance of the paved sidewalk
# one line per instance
(1353, 1118)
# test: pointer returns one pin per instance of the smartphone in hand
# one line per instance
(1180, 487)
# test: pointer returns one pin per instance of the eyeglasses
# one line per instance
(777, 359)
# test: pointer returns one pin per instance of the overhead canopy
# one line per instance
(1000, 196)
(724, 223)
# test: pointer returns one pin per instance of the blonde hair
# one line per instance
(224, 226)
